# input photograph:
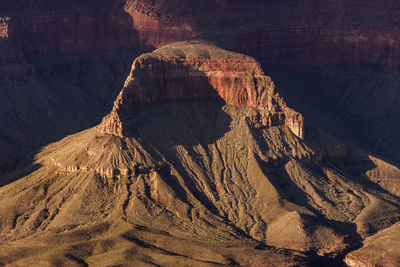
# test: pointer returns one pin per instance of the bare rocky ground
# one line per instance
(198, 182)
(210, 190)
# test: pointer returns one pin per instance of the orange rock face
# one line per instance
(195, 71)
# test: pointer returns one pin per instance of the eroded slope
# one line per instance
(197, 168)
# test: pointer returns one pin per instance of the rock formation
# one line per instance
(194, 71)
(39, 38)
(202, 160)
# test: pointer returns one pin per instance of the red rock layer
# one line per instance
(295, 48)
(44, 29)
(192, 71)
(286, 33)
(50, 34)
(158, 23)
(280, 33)
(79, 27)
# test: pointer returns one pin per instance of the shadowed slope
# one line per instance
(381, 249)
(213, 178)
(158, 192)
(206, 171)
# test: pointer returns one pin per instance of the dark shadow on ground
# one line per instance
(355, 105)
(184, 124)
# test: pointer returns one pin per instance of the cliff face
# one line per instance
(291, 33)
(192, 71)
(307, 33)
(30, 32)
(65, 33)
(320, 47)
(42, 28)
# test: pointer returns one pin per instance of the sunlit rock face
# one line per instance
(194, 71)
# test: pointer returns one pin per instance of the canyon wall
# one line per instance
(56, 31)
(286, 33)
(319, 47)
(41, 27)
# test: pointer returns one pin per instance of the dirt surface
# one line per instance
(234, 192)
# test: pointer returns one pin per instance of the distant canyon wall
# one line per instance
(319, 47)
(285, 33)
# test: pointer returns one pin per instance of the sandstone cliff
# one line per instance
(193, 71)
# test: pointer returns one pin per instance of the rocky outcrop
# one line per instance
(161, 22)
(194, 70)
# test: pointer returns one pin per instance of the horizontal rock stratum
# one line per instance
(194, 70)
